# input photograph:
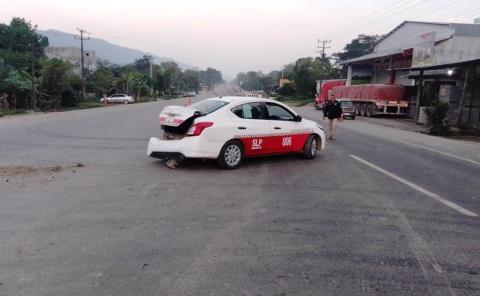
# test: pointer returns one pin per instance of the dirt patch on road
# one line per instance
(45, 174)
(29, 170)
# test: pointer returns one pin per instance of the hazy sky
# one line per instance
(233, 36)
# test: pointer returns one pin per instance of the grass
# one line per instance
(12, 112)
(296, 101)
(84, 105)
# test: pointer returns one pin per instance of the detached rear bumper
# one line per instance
(189, 147)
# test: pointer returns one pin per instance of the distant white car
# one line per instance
(230, 129)
(190, 94)
(119, 98)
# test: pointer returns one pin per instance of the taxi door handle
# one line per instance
(242, 128)
(277, 128)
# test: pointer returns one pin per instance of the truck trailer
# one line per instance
(374, 99)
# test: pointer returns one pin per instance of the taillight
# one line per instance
(197, 128)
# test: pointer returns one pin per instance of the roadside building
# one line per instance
(283, 81)
(434, 61)
(73, 55)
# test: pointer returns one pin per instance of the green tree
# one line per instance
(159, 83)
(56, 77)
(20, 49)
(101, 81)
(210, 77)
(139, 84)
(172, 76)
(191, 80)
(251, 80)
(362, 45)
(304, 76)
(288, 89)
(13, 84)
(143, 64)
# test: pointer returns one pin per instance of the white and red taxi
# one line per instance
(230, 129)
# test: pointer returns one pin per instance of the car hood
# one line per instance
(176, 115)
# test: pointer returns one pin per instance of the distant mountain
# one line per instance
(104, 50)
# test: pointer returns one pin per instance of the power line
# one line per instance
(390, 7)
(455, 3)
(397, 11)
(386, 12)
(81, 37)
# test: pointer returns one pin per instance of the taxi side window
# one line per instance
(249, 111)
(277, 112)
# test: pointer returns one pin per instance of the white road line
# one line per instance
(417, 188)
(419, 146)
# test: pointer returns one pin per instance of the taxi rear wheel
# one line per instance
(231, 155)
(310, 148)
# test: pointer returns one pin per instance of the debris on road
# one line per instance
(171, 163)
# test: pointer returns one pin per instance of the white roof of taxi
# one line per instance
(233, 99)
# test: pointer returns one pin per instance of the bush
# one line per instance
(68, 98)
(437, 119)
(288, 89)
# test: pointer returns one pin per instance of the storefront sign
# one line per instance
(423, 52)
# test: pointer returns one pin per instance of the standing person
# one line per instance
(332, 110)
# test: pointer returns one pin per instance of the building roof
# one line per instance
(410, 22)
(461, 29)
(372, 56)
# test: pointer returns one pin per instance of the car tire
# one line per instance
(310, 147)
(231, 155)
(353, 117)
(125, 102)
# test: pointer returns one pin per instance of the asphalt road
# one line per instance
(379, 212)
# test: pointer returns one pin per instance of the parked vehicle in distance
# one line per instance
(230, 129)
(118, 98)
(348, 109)
(191, 93)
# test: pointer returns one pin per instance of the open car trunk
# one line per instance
(176, 121)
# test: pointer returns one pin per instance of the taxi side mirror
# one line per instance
(297, 118)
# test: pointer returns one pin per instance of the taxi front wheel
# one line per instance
(310, 148)
(231, 155)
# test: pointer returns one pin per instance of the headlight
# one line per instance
(320, 127)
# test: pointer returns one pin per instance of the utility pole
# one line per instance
(81, 38)
(150, 62)
(323, 46)
(34, 87)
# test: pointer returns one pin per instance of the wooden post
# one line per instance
(464, 92)
(419, 94)
(475, 67)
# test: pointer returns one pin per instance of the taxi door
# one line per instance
(289, 135)
(252, 128)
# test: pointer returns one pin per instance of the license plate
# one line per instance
(170, 119)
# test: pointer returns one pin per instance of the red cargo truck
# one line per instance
(326, 86)
(374, 99)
